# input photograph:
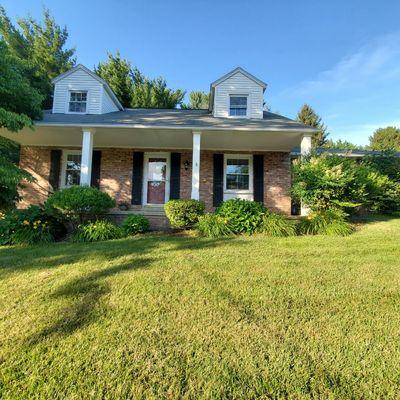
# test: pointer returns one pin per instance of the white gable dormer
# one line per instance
(80, 91)
(237, 94)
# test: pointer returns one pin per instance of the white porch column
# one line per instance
(86, 159)
(305, 146)
(305, 149)
(196, 166)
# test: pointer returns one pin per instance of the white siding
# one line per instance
(78, 80)
(239, 84)
(107, 104)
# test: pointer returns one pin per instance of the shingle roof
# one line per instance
(174, 119)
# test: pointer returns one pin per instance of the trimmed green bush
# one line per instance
(135, 224)
(184, 214)
(213, 225)
(79, 204)
(243, 216)
(30, 226)
(97, 231)
(329, 222)
(277, 225)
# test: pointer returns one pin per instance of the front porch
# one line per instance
(140, 167)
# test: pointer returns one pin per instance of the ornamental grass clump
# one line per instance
(277, 225)
(97, 231)
(213, 226)
(329, 222)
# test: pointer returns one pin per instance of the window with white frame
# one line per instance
(238, 170)
(237, 106)
(77, 102)
(71, 168)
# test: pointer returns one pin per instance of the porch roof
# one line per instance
(174, 119)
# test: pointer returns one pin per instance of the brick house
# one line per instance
(143, 157)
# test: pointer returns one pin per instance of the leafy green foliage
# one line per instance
(328, 222)
(243, 216)
(342, 145)
(135, 224)
(116, 71)
(79, 203)
(277, 225)
(30, 226)
(335, 182)
(40, 47)
(184, 214)
(11, 179)
(386, 163)
(153, 93)
(385, 139)
(197, 100)
(309, 117)
(19, 102)
(97, 231)
(213, 226)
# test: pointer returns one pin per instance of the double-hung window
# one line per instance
(237, 173)
(77, 102)
(237, 106)
(71, 168)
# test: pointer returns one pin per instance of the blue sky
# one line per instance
(342, 57)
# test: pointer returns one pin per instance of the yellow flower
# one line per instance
(26, 222)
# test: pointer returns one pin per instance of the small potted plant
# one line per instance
(123, 206)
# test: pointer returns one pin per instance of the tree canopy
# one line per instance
(342, 145)
(133, 88)
(197, 100)
(385, 139)
(308, 116)
(40, 47)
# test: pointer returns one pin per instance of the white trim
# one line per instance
(239, 94)
(69, 100)
(65, 154)
(242, 71)
(249, 157)
(87, 154)
(196, 154)
(145, 176)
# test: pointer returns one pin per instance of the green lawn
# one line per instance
(180, 317)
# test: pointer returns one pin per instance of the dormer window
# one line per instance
(237, 106)
(77, 102)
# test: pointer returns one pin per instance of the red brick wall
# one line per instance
(116, 176)
(35, 160)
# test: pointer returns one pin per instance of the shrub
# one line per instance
(243, 216)
(274, 224)
(30, 226)
(184, 214)
(80, 203)
(97, 231)
(329, 222)
(213, 225)
(327, 182)
(135, 224)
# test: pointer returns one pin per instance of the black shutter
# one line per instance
(55, 167)
(95, 178)
(137, 177)
(218, 184)
(175, 180)
(258, 177)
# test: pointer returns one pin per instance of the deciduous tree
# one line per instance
(385, 139)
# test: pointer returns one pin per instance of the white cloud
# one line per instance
(377, 60)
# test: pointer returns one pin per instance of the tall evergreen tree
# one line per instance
(117, 72)
(197, 100)
(41, 47)
(308, 116)
(19, 103)
(385, 139)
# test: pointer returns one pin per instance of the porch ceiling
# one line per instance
(158, 138)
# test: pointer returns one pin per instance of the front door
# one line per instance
(156, 178)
